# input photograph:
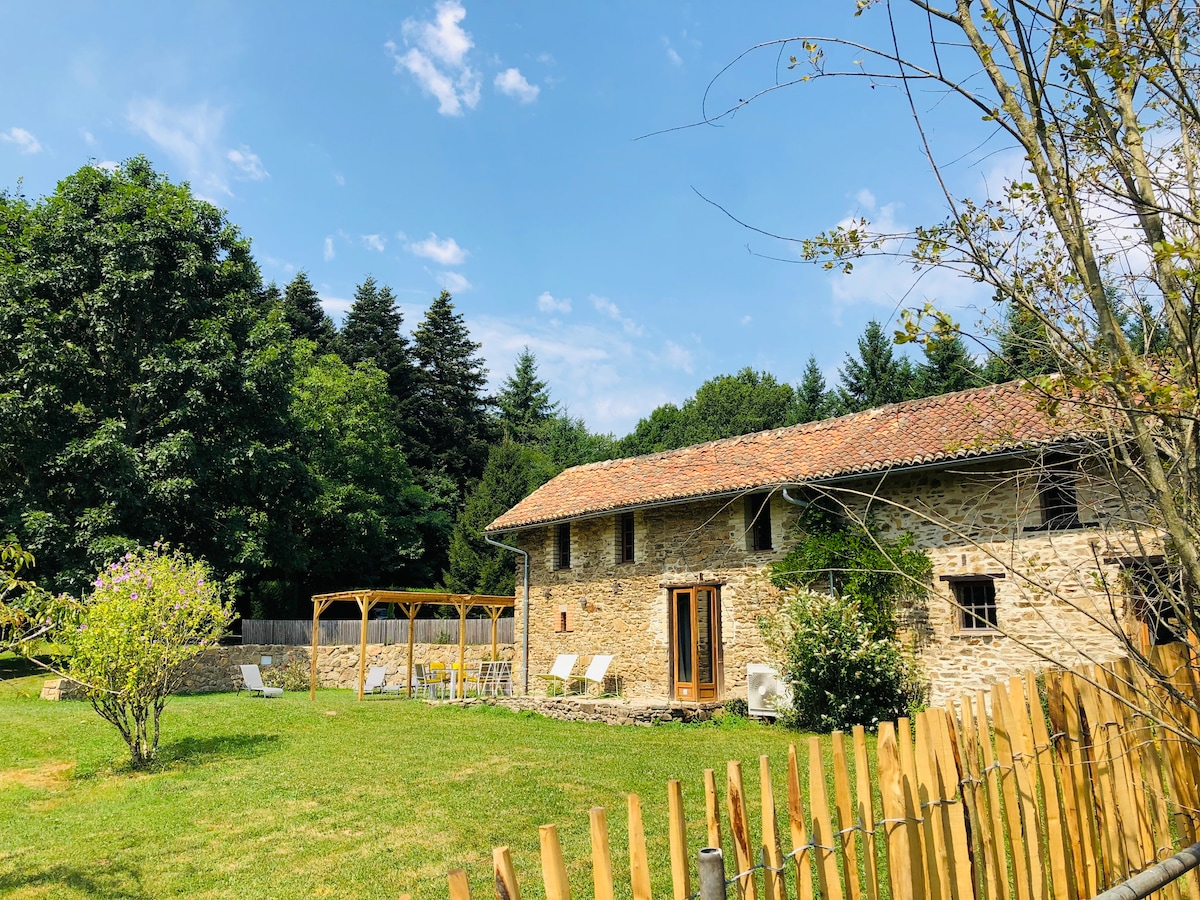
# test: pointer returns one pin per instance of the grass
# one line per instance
(287, 798)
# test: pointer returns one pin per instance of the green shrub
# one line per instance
(148, 614)
(841, 672)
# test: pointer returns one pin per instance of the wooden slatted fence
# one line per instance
(1030, 791)
(337, 632)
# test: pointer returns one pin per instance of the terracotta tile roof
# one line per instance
(962, 425)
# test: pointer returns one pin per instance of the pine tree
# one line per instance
(1024, 350)
(304, 315)
(876, 377)
(524, 402)
(813, 401)
(372, 334)
(947, 367)
(448, 412)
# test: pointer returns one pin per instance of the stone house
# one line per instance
(661, 559)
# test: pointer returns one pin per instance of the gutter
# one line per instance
(524, 613)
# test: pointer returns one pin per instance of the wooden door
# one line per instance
(695, 642)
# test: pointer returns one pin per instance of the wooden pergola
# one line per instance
(409, 602)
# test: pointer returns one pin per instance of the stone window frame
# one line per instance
(759, 536)
(972, 622)
(626, 538)
(562, 620)
(1058, 501)
(562, 546)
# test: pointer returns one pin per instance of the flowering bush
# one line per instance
(149, 613)
(841, 672)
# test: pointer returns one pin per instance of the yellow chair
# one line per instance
(438, 679)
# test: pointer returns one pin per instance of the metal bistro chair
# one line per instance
(437, 679)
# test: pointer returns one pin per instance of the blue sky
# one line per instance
(492, 149)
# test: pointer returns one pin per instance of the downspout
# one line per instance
(805, 504)
(524, 614)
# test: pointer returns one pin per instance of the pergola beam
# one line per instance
(410, 602)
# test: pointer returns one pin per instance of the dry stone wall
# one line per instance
(337, 666)
(972, 520)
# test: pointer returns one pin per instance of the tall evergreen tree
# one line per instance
(1024, 349)
(813, 400)
(304, 315)
(876, 376)
(947, 367)
(524, 402)
(371, 333)
(448, 412)
(512, 473)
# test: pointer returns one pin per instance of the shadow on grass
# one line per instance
(21, 667)
(196, 750)
(121, 881)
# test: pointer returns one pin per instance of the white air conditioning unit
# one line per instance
(766, 690)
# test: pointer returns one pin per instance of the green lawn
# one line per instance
(287, 798)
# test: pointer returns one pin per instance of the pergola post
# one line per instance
(365, 602)
(410, 610)
(463, 606)
(494, 612)
(320, 604)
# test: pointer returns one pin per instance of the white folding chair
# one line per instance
(596, 671)
(252, 679)
(560, 672)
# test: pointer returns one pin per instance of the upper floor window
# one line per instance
(562, 546)
(976, 599)
(625, 538)
(1158, 596)
(1056, 493)
(758, 522)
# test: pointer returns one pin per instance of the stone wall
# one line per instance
(972, 519)
(217, 669)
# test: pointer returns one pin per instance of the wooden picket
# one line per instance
(1053, 788)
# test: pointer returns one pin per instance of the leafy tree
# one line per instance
(371, 333)
(448, 412)
(947, 367)
(662, 430)
(729, 405)
(813, 399)
(304, 315)
(366, 524)
(512, 473)
(147, 615)
(524, 402)
(144, 383)
(23, 606)
(568, 442)
(876, 377)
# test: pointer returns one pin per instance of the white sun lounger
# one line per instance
(252, 679)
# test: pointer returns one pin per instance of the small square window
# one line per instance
(976, 599)
(625, 538)
(562, 546)
(562, 620)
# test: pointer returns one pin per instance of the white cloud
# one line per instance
(248, 162)
(401, 236)
(191, 137)
(436, 58)
(339, 179)
(746, 320)
(88, 137)
(610, 309)
(444, 253)
(336, 307)
(25, 141)
(108, 165)
(329, 254)
(548, 303)
(677, 357)
(284, 266)
(454, 282)
(673, 56)
(513, 83)
(374, 242)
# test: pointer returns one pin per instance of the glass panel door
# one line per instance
(695, 638)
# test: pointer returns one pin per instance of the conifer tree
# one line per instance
(813, 400)
(524, 402)
(448, 412)
(876, 377)
(947, 367)
(371, 333)
(304, 315)
(1024, 349)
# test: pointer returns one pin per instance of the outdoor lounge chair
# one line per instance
(252, 681)
(596, 671)
(376, 676)
(560, 672)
